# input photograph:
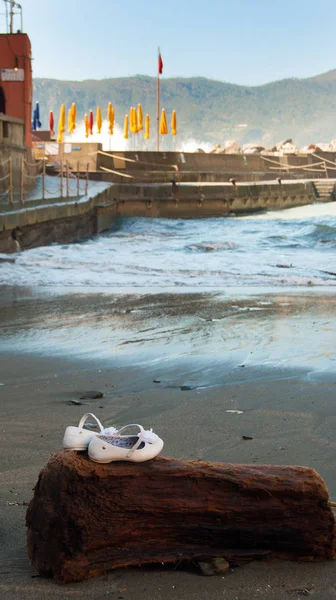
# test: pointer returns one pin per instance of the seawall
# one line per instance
(67, 220)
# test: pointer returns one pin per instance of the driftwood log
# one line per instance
(86, 518)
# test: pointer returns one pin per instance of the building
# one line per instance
(17, 168)
(16, 83)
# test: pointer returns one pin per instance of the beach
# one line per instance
(285, 404)
(204, 330)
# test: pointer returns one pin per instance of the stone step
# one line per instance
(324, 188)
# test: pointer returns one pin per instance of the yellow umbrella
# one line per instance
(126, 127)
(110, 118)
(163, 123)
(70, 121)
(140, 118)
(173, 123)
(133, 120)
(99, 119)
(62, 117)
(61, 123)
(147, 125)
(74, 116)
(87, 126)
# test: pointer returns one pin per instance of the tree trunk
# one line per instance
(86, 518)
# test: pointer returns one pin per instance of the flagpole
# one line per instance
(158, 109)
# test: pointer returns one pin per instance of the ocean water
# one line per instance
(196, 301)
(296, 247)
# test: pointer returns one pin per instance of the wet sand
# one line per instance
(290, 415)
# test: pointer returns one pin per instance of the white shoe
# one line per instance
(78, 438)
(135, 448)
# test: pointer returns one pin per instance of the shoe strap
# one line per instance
(127, 427)
(84, 419)
(137, 444)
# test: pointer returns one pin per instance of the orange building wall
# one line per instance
(18, 94)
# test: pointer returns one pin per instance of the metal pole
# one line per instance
(11, 17)
(67, 179)
(87, 180)
(158, 114)
(78, 189)
(10, 181)
(22, 182)
(43, 179)
(61, 178)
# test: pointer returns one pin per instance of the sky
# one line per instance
(249, 42)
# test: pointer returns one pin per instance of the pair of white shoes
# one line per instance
(109, 445)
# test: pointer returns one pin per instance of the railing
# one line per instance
(32, 181)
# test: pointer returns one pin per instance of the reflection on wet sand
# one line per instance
(207, 331)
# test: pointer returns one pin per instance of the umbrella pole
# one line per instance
(158, 114)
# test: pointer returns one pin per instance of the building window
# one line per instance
(2, 101)
(5, 129)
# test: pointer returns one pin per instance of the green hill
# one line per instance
(211, 111)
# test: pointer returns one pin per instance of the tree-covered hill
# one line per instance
(211, 111)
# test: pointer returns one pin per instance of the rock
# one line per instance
(215, 149)
(186, 388)
(91, 395)
(286, 147)
(216, 566)
(252, 149)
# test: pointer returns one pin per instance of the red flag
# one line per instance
(160, 63)
(91, 122)
(51, 122)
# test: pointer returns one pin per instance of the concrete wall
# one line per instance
(82, 153)
(44, 222)
(190, 201)
(12, 144)
(201, 167)
(151, 167)
(64, 220)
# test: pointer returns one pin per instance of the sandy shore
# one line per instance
(291, 420)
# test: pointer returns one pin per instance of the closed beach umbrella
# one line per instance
(147, 126)
(173, 123)
(36, 118)
(91, 122)
(51, 123)
(74, 115)
(133, 120)
(140, 118)
(99, 119)
(126, 127)
(61, 124)
(62, 119)
(70, 121)
(110, 118)
(163, 123)
(86, 124)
